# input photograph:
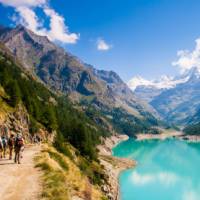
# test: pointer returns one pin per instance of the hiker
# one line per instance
(19, 147)
(11, 142)
(1, 148)
(4, 144)
(37, 139)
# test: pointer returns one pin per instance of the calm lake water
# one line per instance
(166, 170)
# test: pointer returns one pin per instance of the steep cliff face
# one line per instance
(17, 120)
(58, 69)
(13, 120)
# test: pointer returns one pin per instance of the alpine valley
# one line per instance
(73, 129)
(81, 112)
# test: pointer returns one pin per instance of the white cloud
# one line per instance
(164, 178)
(26, 3)
(102, 45)
(27, 16)
(188, 59)
(58, 30)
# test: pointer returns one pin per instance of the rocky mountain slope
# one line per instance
(29, 108)
(66, 74)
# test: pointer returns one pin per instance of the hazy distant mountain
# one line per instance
(176, 99)
(164, 82)
(65, 73)
(178, 104)
(149, 89)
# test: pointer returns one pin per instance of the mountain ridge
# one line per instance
(67, 73)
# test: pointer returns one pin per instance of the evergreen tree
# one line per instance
(13, 90)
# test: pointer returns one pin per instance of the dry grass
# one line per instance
(63, 179)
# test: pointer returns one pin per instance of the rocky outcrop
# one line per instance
(107, 144)
(17, 121)
(113, 165)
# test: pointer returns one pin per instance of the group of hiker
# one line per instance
(12, 143)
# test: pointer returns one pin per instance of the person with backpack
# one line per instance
(11, 142)
(19, 146)
(5, 144)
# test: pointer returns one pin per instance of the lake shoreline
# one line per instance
(113, 166)
(161, 136)
(189, 138)
(172, 134)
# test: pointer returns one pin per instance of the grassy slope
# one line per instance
(62, 177)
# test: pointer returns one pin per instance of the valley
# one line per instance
(81, 113)
(99, 100)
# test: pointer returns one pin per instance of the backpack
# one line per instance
(4, 142)
(1, 145)
(19, 142)
(11, 142)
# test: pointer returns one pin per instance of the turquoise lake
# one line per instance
(166, 170)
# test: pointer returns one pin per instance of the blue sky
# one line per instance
(142, 36)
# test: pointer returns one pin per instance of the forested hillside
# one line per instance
(56, 114)
(78, 125)
(65, 74)
(193, 129)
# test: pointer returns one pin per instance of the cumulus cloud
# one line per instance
(58, 29)
(188, 59)
(27, 16)
(102, 45)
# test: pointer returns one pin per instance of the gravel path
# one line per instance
(20, 181)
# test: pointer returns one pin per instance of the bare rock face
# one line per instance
(113, 166)
(18, 122)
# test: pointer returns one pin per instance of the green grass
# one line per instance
(54, 183)
(58, 158)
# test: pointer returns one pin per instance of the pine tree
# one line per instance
(13, 90)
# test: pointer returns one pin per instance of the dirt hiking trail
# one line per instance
(20, 181)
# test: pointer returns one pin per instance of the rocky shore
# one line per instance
(162, 136)
(113, 165)
(189, 138)
(169, 134)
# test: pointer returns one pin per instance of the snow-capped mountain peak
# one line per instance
(164, 82)
(137, 81)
